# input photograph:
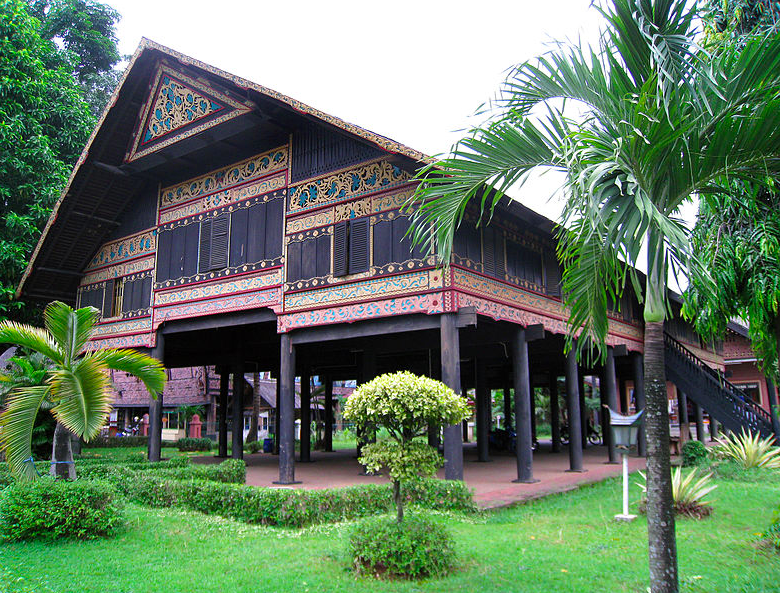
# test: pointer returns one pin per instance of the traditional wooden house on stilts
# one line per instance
(214, 221)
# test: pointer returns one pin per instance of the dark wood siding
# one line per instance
(308, 259)
(392, 244)
(108, 299)
(340, 235)
(383, 243)
(238, 237)
(317, 150)
(552, 274)
(136, 294)
(273, 228)
(524, 263)
(256, 233)
(92, 297)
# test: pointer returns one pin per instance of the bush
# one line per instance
(693, 453)
(254, 446)
(414, 548)
(229, 471)
(687, 492)
(749, 450)
(103, 442)
(188, 444)
(53, 509)
(282, 507)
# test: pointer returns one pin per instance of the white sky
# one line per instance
(412, 71)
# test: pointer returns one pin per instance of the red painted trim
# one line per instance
(355, 280)
(111, 320)
(216, 297)
(360, 302)
(228, 277)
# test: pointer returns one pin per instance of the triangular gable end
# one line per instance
(178, 107)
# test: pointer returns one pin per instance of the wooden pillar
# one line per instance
(508, 423)
(714, 428)
(277, 415)
(305, 416)
(450, 375)
(224, 387)
(682, 417)
(523, 413)
(328, 413)
(611, 396)
(154, 444)
(434, 430)
(699, 415)
(484, 412)
(366, 373)
(573, 412)
(583, 410)
(465, 428)
(625, 408)
(532, 403)
(774, 410)
(639, 395)
(555, 413)
(286, 404)
(238, 410)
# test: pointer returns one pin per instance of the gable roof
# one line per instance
(101, 181)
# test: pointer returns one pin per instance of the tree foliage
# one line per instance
(638, 124)
(77, 385)
(732, 20)
(405, 405)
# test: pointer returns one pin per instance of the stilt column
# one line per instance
(450, 375)
(524, 448)
(610, 391)
(305, 416)
(238, 411)
(699, 412)
(328, 414)
(555, 413)
(639, 395)
(774, 411)
(682, 416)
(286, 404)
(573, 412)
(156, 406)
(224, 387)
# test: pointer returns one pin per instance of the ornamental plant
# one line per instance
(688, 492)
(405, 405)
(749, 450)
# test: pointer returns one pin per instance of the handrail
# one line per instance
(734, 393)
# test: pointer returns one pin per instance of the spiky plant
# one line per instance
(749, 450)
(688, 492)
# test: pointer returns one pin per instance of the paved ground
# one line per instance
(492, 481)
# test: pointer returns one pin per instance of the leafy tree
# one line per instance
(733, 20)
(638, 125)
(405, 405)
(77, 387)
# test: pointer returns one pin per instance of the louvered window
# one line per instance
(351, 248)
(214, 243)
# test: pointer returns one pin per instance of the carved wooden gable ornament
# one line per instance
(178, 107)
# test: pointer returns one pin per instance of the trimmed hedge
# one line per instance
(231, 471)
(53, 509)
(103, 442)
(188, 444)
(288, 507)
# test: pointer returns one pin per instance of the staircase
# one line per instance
(722, 400)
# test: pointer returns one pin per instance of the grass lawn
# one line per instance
(567, 543)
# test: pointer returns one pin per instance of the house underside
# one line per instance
(213, 221)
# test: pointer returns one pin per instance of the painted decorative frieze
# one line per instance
(178, 107)
(146, 340)
(346, 185)
(230, 303)
(212, 290)
(247, 170)
(124, 249)
(135, 266)
(367, 289)
(132, 326)
(429, 303)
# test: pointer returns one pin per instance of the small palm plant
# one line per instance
(688, 492)
(76, 386)
(749, 450)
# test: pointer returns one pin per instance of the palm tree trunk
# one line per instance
(660, 505)
(62, 466)
(253, 422)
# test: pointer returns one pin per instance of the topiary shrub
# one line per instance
(188, 444)
(411, 549)
(693, 453)
(54, 509)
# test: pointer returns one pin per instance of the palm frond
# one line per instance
(16, 428)
(82, 397)
(30, 337)
(149, 370)
(70, 329)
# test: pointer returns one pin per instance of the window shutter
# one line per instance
(128, 297)
(552, 275)
(108, 298)
(323, 255)
(273, 228)
(498, 254)
(340, 233)
(163, 256)
(488, 253)
(309, 258)
(358, 245)
(294, 261)
(204, 258)
(220, 239)
(383, 242)
(190, 264)
(238, 235)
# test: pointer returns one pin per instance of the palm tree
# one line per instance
(638, 125)
(76, 388)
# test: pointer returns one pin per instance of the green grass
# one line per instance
(563, 543)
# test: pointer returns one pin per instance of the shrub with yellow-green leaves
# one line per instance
(749, 450)
(405, 405)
